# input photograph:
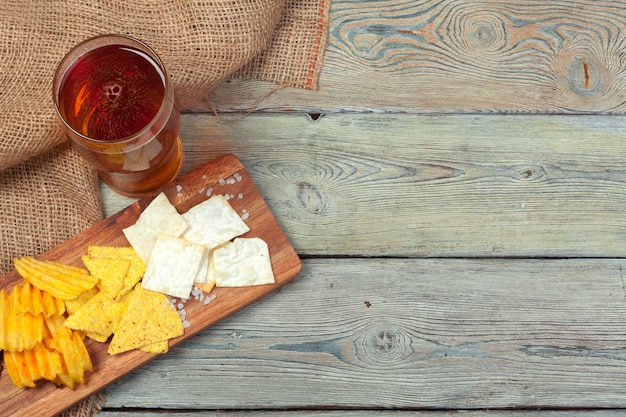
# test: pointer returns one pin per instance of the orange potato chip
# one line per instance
(28, 366)
(29, 299)
(18, 331)
(74, 355)
(62, 281)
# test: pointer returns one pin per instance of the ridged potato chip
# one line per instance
(29, 299)
(27, 367)
(18, 331)
(59, 280)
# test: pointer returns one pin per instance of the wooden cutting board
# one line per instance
(226, 176)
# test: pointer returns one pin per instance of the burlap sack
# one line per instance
(47, 192)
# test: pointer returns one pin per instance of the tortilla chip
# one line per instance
(110, 272)
(158, 347)
(100, 316)
(149, 318)
(136, 268)
(74, 304)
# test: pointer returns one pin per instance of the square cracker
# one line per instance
(245, 261)
(159, 217)
(174, 266)
(213, 222)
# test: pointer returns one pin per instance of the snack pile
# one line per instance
(125, 296)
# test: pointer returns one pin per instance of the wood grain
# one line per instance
(432, 56)
(408, 334)
(213, 178)
(414, 185)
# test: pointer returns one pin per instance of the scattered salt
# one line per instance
(186, 324)
(222, 182)
(230, 181)
(209, 192)
(240, 196)
(179, 187)
(245, 215)
(201, 191)
(237, 176)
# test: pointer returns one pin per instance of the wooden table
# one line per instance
(456, 191)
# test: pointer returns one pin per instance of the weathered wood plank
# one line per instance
(375, 413)
(462, 56)
(414, 185)
(408, 334)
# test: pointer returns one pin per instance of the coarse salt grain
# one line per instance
(240, 196)
(201, 191)
(230, 181)
(245, 215)
(222, 182)
(210, 298)
(186, 324)
(237, 176)
(209, 191)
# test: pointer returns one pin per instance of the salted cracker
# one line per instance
(173, 266)
(213, 222)
(244, 262)
(159, 217)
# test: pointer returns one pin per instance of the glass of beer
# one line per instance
(119, 109)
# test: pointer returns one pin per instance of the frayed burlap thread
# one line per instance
(294, 55)
(47, 192)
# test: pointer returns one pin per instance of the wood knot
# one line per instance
(310, 197)
(529, 173)
(384, 346)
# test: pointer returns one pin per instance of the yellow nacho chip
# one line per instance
(101, 338)
(99, 316)
(110, 273)
(74, 304)
(158, 347)
(149, 318)
(136, 268)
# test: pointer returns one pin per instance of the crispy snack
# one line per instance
(27, 367)
(18, 331)
(149, 319)
(74, 304)
(30, 299)
(59, 280)
(98, 317)
(110, 273)
(74, 355)
(136, 269)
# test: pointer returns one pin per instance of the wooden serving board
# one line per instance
(225, 175)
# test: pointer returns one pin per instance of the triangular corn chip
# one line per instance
(149, 318)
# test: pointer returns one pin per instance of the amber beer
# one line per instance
(119, 109)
